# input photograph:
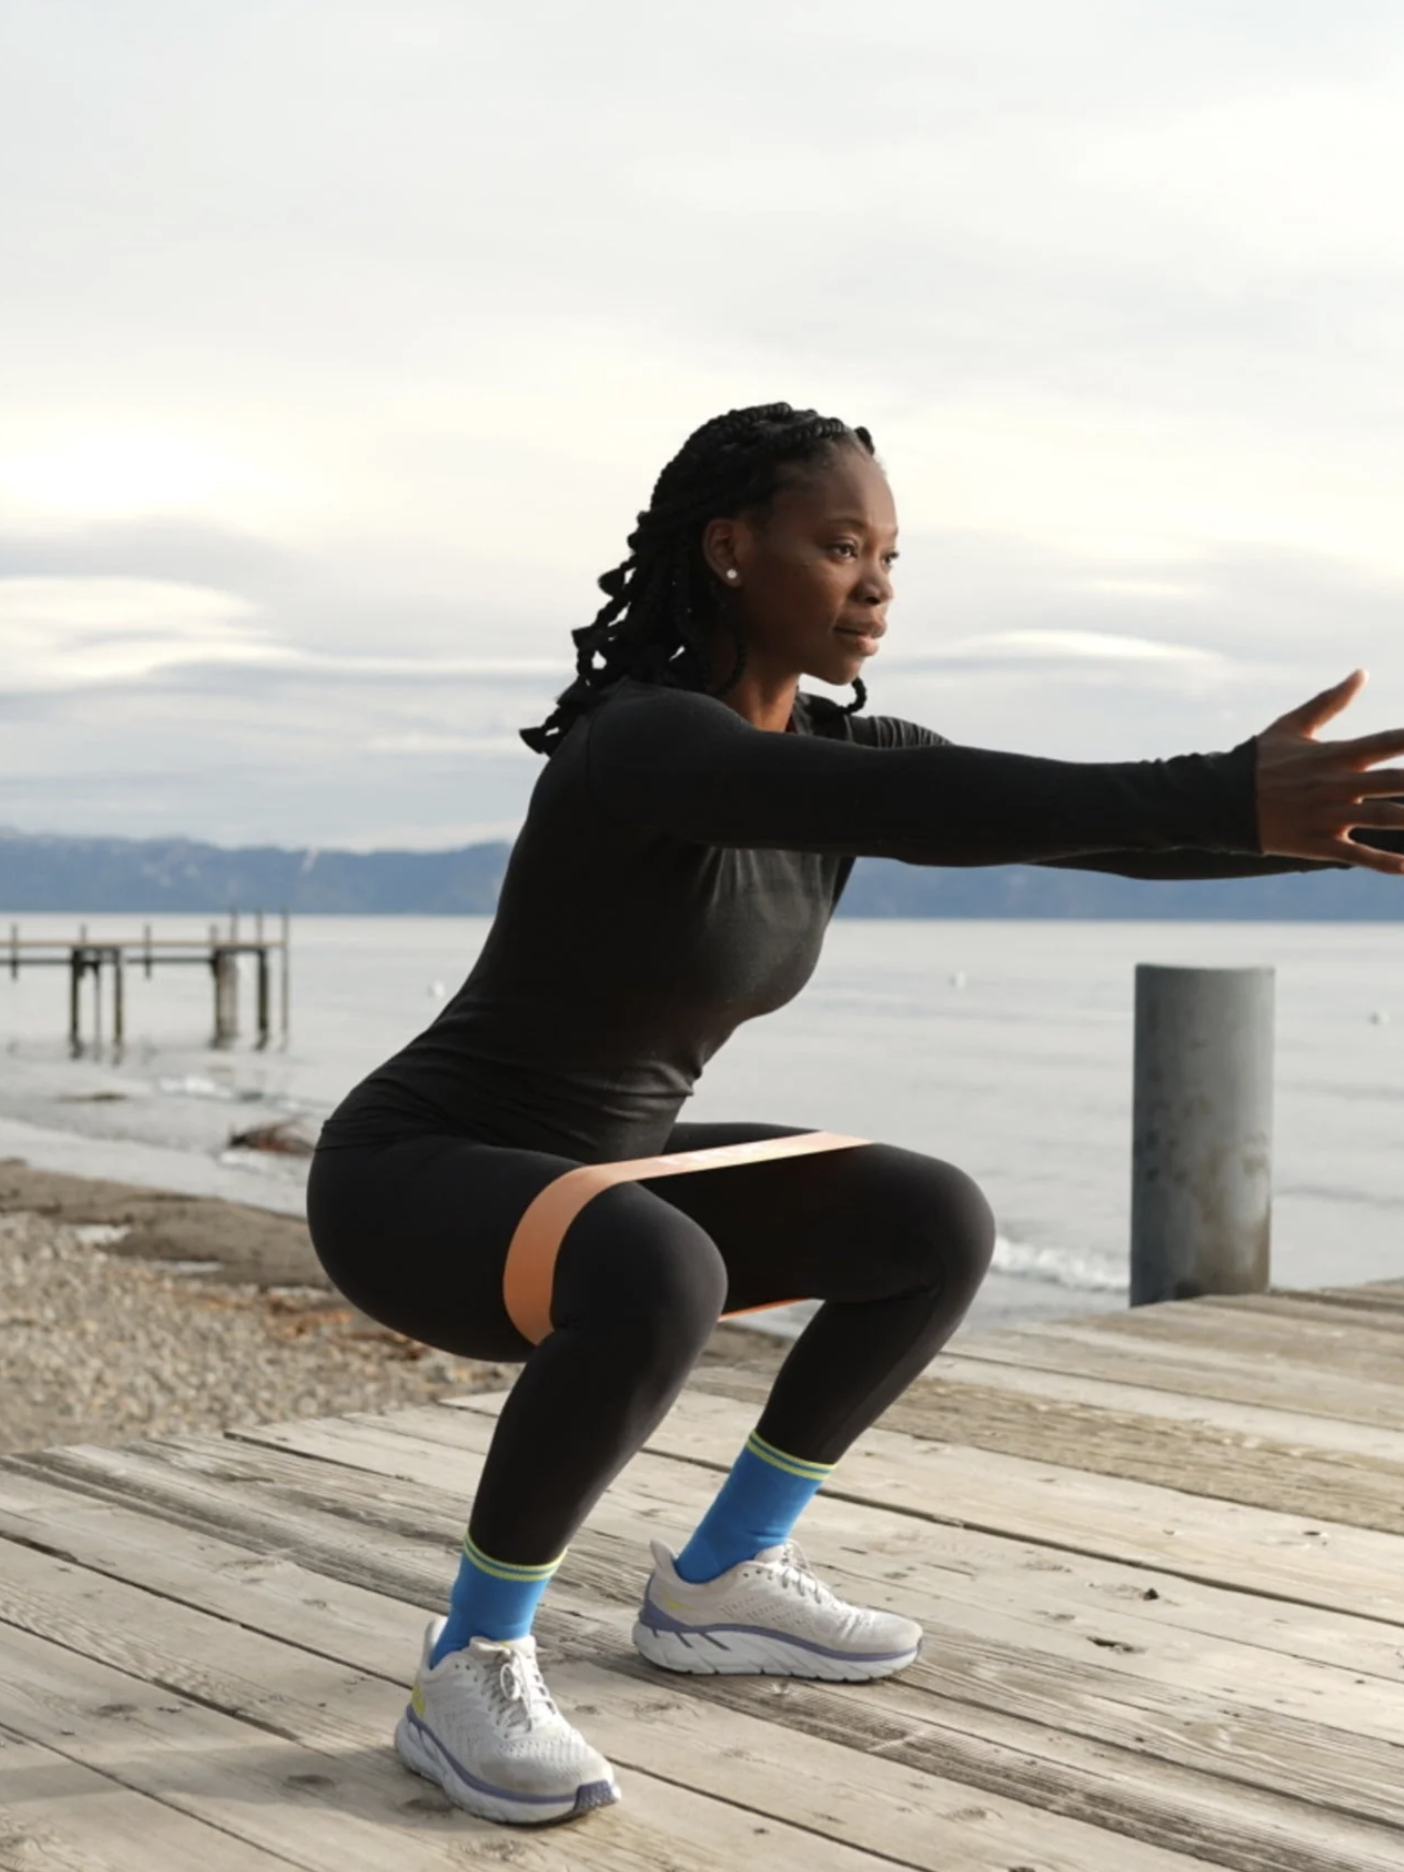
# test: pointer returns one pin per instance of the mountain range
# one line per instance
(42, 872)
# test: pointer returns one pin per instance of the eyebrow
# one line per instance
(852, 520)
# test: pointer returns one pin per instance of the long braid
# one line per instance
(662, 603)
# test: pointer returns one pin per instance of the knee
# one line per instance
(639, 1270)
(938, 1225)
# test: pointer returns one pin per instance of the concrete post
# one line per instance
(1201, 1149)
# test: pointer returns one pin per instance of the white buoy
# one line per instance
(958, 978)
(437, 991)
(1379, 1018)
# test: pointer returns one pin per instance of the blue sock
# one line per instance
(758, 1504)
(491, 1599)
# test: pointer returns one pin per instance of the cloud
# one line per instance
(66, 632)
(380, 388)
(1059, 646)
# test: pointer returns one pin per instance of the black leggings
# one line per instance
(415, 1233)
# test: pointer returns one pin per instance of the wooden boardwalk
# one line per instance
(1159, 1557)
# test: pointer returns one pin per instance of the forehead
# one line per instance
(847, 485)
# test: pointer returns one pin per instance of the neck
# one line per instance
(764, 698)
(763, 706)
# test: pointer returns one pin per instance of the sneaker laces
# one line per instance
(793, 1573)
(526, 1702)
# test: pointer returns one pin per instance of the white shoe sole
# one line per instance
(420, 1750)
(706, 1653)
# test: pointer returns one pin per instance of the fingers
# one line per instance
(1373, 747)
(1368, 857)
(1320, 708)
(1379, 815)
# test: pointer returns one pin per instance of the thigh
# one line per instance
(416, 1234)
(861, 1223)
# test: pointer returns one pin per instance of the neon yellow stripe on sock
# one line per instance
(504, 1569)
(792, 1465)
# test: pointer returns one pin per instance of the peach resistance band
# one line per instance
(536, 1241)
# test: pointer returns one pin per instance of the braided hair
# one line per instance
(663, 601)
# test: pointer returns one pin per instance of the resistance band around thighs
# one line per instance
(531, 1256)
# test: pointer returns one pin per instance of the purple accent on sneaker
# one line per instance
(595, 1794)
(657, 1619)
(599, 1793)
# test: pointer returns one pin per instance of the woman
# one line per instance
(514, 1184)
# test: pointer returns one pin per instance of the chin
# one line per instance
(838, 671)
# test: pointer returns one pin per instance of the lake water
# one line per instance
(1004, 1046)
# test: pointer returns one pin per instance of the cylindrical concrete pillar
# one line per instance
(1201, 1147)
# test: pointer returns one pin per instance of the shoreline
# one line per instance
(256, 1242)
(129, 1310)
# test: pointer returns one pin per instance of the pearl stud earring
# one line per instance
(732, 573)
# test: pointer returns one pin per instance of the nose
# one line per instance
(875, 588)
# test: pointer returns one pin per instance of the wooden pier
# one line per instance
(111, 959)
(1159, 1557)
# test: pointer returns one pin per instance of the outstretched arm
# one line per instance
(1203, 864)
(683, 763)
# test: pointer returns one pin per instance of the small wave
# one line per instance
(1056, 1267)
(195, 1085)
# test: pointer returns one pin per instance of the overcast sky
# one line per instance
(341, 341)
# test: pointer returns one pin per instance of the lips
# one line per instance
(866, 640)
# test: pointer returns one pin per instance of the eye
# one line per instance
(892, 557)
(844, 546)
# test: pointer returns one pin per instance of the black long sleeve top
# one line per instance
(677, 871)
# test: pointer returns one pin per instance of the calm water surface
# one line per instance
(1003, 1046)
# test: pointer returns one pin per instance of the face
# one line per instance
(814, 575)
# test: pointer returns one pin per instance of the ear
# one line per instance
(723, 548)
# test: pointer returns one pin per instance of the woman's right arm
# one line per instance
(679, 762)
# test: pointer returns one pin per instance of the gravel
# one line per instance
(96, 1347)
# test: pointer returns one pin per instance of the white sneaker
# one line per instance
(482, 1724)
(768, 1616)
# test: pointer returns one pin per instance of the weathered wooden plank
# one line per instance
(316, 1810)
(1341, 1307)
(1308, 1561)
(1371, 1294)
(1024, 1616)
(1251, 1469)
(1371, 1352)
(888, 1558)
(58, 1816)
(882, 1553)
(39, 1849)
(354, 1808)
(1196, 1372)
(912, 1819)
(1266, 1751)
(1215, 1417)
(1147, 1800)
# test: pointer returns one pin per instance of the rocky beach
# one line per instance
(131, 1312)
(128, 1312)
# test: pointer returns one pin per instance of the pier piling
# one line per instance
(75, 1006)
(225, 963)
(218, 953)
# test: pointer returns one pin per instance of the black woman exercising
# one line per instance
(515, 1183)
